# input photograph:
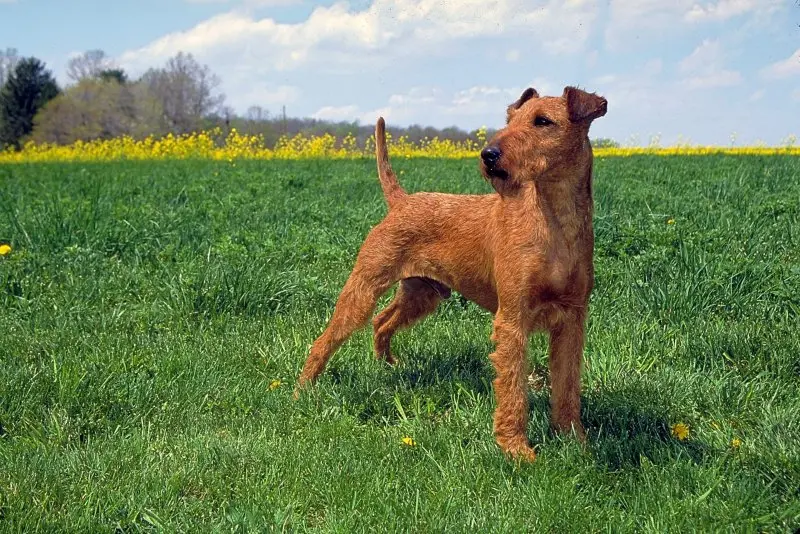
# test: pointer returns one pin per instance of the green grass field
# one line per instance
(147, 309)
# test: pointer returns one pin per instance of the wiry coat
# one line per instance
(524, 253)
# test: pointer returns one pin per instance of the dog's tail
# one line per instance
(392, 190)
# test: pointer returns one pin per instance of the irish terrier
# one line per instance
(524, 253)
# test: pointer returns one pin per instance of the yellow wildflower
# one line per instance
(736, 443)
(409, 442)
(4, 249)
(275, 384)
(240, 146)
(680, 431)
(671, 221)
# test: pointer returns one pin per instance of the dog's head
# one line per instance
(545, 138)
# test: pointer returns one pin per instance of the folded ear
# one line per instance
(583, 106)
(527, 94)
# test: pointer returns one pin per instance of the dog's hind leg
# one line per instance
(375, 271)
(415, 299)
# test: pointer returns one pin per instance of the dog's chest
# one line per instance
(559, 278)
(556, 294)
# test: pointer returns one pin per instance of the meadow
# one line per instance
(154, 316)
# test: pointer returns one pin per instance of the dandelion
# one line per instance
(736, 443)
(680, 431)
(671, 221)
(4, 249)
(409, 442)
(275, 384)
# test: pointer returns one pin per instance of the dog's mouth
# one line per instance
(494, 171)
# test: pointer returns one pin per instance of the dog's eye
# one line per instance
(542, 121)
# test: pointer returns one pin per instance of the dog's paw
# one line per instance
(299, 387)
(571, 429)
(522, 454)
(517, 449)
(388, 358)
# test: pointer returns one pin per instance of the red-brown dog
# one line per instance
(523, 253)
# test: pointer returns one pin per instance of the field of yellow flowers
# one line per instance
(212, 145)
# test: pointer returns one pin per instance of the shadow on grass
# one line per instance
(625, 426)
(622, 432)
(435, 379)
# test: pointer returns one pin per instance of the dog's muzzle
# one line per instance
(491, 158)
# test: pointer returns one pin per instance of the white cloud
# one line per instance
(415, 96)
(413, 26)
(336, 113)
(247, 3)
(268, 96)
(641, 19)
(704, 69)
(651, 19)
(432, 105)
(480, 93)
(342, 40)
(389, 114)
(512, 55)
(783, 69)
(709, 52)
(725, 9)
(482, 99)
(757, 95)
(604, 80)
(724, 78)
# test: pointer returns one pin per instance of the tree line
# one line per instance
(100, 101)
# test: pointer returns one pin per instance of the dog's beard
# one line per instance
(496, 172)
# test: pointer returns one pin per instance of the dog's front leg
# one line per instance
(511, 415)
(566, 350)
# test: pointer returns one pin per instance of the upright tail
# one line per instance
(391, 187)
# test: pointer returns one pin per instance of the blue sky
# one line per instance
(703, 71)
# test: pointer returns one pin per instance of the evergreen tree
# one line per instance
(29, 87)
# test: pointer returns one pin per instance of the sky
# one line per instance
(715, 72)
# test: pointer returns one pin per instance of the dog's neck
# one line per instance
(565, 201)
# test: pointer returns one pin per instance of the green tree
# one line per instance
(117, 75)
(603, 142)
(29, 87)
(98, 109)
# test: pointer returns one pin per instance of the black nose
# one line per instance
(490, 155)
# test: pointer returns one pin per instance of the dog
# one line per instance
(524, 253)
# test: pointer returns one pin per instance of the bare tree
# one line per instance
(8, 61)
(187, 92)
(257, 114)
(88, 65)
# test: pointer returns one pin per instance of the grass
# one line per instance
(148, 311)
